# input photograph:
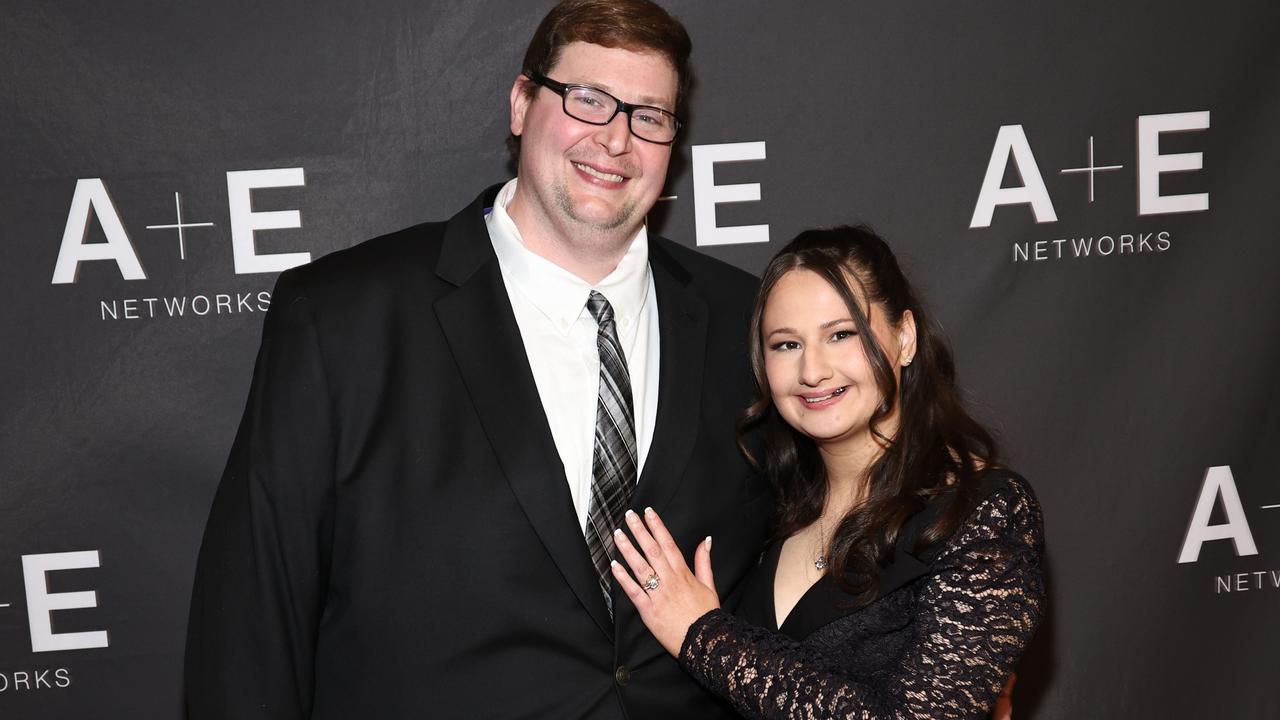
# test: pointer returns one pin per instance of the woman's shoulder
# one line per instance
(1004, 507)
(1003, 484)
(1001, 505)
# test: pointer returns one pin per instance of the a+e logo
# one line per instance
(91, 197)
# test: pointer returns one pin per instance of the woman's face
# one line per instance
(819, 376)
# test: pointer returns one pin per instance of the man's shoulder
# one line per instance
(395, 257)
(712, 278)
(407, 259)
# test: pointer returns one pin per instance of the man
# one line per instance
(445, 423)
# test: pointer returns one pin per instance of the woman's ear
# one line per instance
(906, 338)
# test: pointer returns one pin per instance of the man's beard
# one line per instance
(619, 219)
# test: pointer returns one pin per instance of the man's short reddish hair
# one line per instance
(637, 25)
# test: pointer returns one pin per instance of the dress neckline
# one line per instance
(824, 602)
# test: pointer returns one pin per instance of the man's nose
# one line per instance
(615, 136)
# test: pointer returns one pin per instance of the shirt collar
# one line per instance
(557, 293)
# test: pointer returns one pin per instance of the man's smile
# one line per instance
(599, 174)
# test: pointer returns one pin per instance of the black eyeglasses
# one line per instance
(596, 107)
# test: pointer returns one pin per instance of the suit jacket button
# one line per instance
(622, 674)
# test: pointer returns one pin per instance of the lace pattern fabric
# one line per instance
(967, 622)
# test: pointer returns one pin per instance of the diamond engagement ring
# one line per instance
(651, 583)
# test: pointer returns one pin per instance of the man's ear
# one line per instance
(519, 103)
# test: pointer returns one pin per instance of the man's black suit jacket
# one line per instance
(393, 536)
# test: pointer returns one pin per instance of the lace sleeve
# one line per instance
(974, 616)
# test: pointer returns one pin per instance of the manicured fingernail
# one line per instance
(631, 513)
(648, 511)
(708, 541)
(613, 563)
(617, 531)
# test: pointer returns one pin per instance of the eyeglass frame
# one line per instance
(562, 89)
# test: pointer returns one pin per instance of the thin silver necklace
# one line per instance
(820, 556)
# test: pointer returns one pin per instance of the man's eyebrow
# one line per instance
(660, 103)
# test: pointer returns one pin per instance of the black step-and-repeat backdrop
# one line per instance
(1084, 190)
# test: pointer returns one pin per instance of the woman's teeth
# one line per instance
(828, 396)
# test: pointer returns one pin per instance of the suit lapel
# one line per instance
(682, 328)
(481, 330)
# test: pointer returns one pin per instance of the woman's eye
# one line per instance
(784, 345)
(843, 334)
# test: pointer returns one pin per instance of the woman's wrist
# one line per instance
(691, 636)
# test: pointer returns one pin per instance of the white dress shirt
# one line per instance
(559, 336)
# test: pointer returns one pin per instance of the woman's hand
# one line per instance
(1004, 704)
(668, 596)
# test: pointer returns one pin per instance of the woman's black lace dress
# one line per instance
(949, 624)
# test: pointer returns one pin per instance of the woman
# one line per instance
(905, 581)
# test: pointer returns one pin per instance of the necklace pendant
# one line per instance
(820, 564)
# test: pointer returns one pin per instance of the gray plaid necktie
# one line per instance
(613, 462)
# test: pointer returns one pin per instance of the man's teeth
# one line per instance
(828, 396)
(596, 173)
